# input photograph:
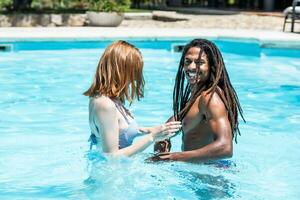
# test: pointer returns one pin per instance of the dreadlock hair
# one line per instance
(218, 78)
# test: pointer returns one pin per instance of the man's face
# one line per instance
(196, 69)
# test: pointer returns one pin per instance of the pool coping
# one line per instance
(266, 39)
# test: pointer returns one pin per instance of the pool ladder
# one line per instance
(6, 47)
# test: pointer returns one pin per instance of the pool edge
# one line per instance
(266, 39)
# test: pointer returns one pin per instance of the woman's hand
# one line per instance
(165, 131)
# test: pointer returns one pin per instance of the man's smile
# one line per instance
(191, 74)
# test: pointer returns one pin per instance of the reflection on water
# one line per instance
(208, 186)
(132, 178)
(41, 149)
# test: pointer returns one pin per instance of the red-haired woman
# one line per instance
(119, 77)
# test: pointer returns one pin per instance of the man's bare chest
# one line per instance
(194, 119)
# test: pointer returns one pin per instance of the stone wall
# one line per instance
(29, 20)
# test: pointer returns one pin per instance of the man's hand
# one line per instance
(162, 146)
(166, 156)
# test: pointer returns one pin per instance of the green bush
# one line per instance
(109, 5)
(5, 4)
(59, 4)
(62, 5)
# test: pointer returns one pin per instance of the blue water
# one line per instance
(44, 126)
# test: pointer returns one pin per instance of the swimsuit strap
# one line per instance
(124, 111)
(93, 139)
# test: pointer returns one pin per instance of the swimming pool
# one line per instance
(44, 127)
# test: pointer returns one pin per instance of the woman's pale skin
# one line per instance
(110, 122)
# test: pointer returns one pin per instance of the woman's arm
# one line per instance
(106, 114)
(168, 128)
(154, 133)
(164, 145)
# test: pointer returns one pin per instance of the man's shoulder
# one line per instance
(211, 100)
(207, 97)
(212, 104)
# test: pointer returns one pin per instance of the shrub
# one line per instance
(5, 5)
(109, 5)
(54, 4)
(58, 5)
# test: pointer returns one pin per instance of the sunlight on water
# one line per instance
(44, 127)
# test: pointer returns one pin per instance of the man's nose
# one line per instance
(192, 65)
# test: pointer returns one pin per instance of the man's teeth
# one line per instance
(192, 74)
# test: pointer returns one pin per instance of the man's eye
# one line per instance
(187, 62)
(199, 62)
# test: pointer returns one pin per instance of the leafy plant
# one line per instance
(79, 4)
(59, 4)
(41, 4)
(63, 5)
(5, 4)
(109, 5)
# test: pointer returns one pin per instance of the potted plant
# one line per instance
(107, 12)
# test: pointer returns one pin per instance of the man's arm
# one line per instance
(218, 121)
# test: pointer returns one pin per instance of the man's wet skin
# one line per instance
(196, 131)
(207, 133)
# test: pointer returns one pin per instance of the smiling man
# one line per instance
(207, 105)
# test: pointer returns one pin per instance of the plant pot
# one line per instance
(111, 19)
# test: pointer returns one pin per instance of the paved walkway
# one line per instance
(267, 30)
(232, 20)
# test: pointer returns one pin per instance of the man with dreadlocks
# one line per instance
(206, 103)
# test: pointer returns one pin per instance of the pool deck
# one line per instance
(100, 33)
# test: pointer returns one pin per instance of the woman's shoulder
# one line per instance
(102, 103)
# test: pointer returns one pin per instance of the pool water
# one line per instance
(44, 126)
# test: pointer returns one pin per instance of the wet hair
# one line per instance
(218, 78)
(119, 73)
